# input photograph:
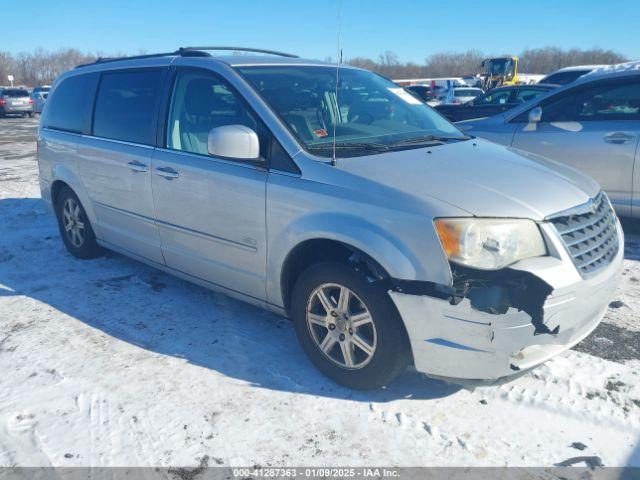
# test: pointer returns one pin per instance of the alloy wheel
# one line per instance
(341, 326)
(72, 222)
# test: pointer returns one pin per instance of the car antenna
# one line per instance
(336, 113)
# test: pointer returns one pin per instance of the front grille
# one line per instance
(589, 232)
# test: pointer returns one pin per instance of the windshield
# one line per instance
(367, 112)
(500, 66)
(467, 92)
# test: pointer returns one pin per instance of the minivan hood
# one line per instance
(480, 177)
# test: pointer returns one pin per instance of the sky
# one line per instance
(413, 29)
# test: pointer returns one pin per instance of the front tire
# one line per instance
(348, 326)
(75, 227)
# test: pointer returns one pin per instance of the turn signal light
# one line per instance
(449, 238)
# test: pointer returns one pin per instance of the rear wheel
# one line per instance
(348, 326)
(75, 227)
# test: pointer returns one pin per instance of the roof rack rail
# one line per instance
(184, 51)
(134, 57)
(189, 52)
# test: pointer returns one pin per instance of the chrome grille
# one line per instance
(589, 233)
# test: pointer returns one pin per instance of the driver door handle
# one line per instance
(619, 138)
(167, 172)
(137, 166)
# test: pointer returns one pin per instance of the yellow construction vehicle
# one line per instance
(499, 71)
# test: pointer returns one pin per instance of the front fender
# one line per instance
(389, 251)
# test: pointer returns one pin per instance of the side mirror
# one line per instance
(535, 115)
(234, 141)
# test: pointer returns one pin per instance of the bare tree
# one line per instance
(454, 64)
(6, 67)
(42, 66)
(548, 59)
(449, 64)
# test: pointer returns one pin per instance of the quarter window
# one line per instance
(126, 106)
(201, 102)
(70, 104)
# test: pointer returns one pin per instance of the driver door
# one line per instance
(210, 210)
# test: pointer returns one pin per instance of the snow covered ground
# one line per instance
(108, 362)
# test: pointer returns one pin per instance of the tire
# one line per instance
(75, 228)
(31, 115)
(384, 336)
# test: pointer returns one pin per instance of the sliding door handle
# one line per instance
(619, 138)
(167, 172)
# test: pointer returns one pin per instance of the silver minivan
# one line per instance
(330, 195)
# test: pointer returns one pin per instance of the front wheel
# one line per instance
(348, 326)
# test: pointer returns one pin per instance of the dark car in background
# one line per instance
(493, 102)
(15, 101)
(423, 92)
(569, 74)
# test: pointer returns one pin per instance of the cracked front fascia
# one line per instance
(490, 291)
(486, 324)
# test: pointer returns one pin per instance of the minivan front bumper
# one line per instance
(461, 341)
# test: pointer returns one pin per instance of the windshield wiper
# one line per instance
(430, 139)
(349, 146)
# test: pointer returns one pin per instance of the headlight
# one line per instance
(489, 244)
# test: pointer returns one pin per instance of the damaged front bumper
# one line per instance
(495, 326)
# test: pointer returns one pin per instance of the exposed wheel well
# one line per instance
(55, 190)
(310, 252)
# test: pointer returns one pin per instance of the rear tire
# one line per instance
(75, 228)
(340, 341)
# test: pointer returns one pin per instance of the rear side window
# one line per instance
(126, 106)
(69, 107)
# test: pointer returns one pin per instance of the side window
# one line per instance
(526, 94)
(126, 105)
(69, 107)
(493, 98)
(608, 101)
(200, 102)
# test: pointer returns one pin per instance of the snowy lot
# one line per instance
(109, 362)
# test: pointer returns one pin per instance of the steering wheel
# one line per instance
(362, 118)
